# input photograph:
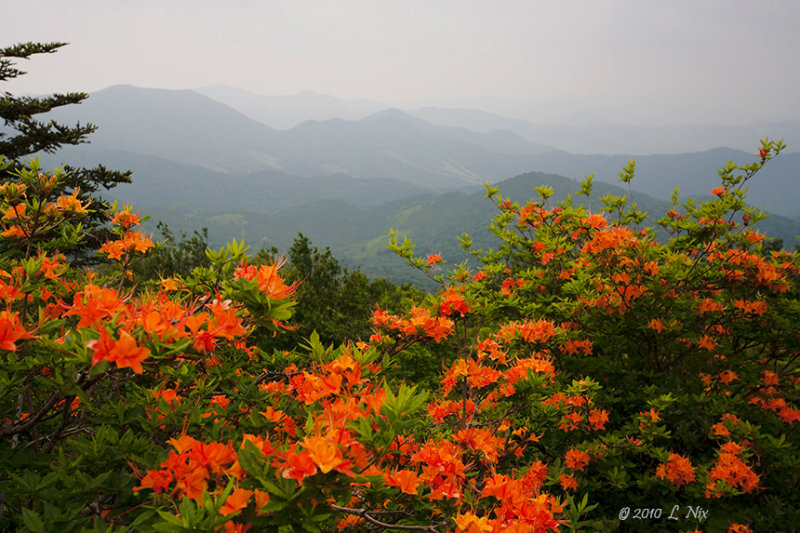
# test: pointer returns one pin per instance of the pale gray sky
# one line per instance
(631, 61)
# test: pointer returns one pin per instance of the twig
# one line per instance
(364, 513)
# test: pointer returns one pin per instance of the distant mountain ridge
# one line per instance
(284, 112)
(188, 128)
(621, 138)
(179, 125)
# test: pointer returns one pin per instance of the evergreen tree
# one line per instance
(332, 300)
(29, 136)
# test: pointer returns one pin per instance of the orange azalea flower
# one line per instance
(93, 304)
(126, 219)
(480, 440)
(221, 400)
(728, 376)
(732, 447)
(576, 459)
(637, 443)
(155, 480)
(170, 285)
(298, 465)
(10, 292)
(191, 479)
(570, 421)
(235, 502)
(739, 528)
(15, 211)
(269, 281)
(480, 276)
(757, 307)
(262, 498)
(350, 521)
(126, 353)
(169, 395)
(652, 414)
(71, 204)
(324, 454)
(754, 237)
(406, 480)
(184, 443)
(130, 243)
(500, 486)
(538, 331)
(789, 415)
(227, 324)
(769, 378)
(657, 325)
(731, 470)
(594, 221)
(609, 239)
(677, 469)
(11, 331)
(233, 527)
(452, 302)
(568, 482)
(14, 231)
(621, 278)
(51, 268)
(572, 347)
(439, 328)
(433, 259)
(706, 342)
(598, 418)
(719, 430)
(709, 306)
(533, 480)
(471, 523)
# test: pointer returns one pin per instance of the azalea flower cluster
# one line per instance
(345, 409)
(129, 243)
(418, 322)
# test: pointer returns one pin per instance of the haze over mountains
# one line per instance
(197, 158)
(285, 112)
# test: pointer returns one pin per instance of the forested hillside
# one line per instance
(358, 235)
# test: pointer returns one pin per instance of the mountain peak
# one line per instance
(395, 114)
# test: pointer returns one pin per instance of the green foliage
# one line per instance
(173, 256)
(333, 301)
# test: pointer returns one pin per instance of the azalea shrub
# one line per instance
(594, 376)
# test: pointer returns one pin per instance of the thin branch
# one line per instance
(364, 513)
(20, 427)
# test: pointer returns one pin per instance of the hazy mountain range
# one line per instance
(198, 161)
(191, 129)
(285, 112)
(359, 234)
(622, 138)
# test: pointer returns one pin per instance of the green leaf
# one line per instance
(32, 521)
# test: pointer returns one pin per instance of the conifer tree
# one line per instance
(24, 135)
